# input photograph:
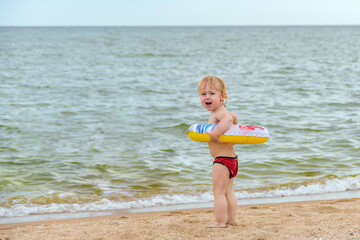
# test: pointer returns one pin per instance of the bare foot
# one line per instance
(232, 223)
(216, 225)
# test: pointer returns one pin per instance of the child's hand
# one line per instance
(213, 138)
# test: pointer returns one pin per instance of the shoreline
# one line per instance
(316, 219)
(167, 208)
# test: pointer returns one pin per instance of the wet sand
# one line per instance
(325, 219)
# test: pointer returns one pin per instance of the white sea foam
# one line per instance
(329, 186)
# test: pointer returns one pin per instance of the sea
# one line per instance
(94, 119)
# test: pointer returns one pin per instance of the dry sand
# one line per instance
(330, 219)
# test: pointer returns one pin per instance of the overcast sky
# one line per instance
(178, 12)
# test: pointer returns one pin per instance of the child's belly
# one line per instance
(221, 149)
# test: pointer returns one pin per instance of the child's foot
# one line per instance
(232, 223)
(217, 225)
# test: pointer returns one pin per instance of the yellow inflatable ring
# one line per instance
(238, 134)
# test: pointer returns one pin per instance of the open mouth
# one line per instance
(208, 104)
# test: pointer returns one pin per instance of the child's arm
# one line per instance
(235, 118)
(223, 125)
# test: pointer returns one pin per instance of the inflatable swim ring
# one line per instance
(238, 134)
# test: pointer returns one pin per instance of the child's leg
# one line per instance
(220, 174)
(231, 203)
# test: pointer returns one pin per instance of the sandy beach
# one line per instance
(327, 219)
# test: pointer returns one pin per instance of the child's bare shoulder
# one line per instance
(220, 114)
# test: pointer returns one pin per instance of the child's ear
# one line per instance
(223, 96)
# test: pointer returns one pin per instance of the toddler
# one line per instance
(212, 91)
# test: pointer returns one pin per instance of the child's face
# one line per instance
(211, 98)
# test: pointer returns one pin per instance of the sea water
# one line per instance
(95, 119)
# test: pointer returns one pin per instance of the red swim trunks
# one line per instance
(230, 162)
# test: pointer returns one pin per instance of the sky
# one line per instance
(178, 12)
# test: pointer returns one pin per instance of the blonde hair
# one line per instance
(214, 82)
